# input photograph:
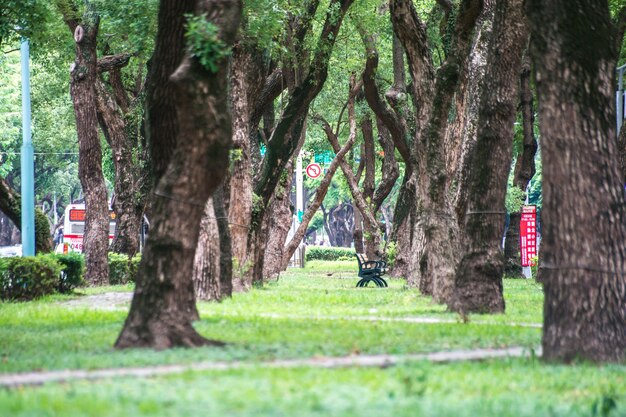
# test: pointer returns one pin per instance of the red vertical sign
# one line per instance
(528, 235)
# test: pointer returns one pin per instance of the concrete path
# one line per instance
(38, 378)
(104, 301)
(121, 301)
(415, 320)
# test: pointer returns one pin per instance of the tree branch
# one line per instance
(111, 62)
(377, 104)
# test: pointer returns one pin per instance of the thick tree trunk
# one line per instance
(280, 220)
(621, 151)
(206, 264)
(478, 281)
(403, 227)
(357, 233)
(512, 258)
(9, 233)
(327, 228)
(128, 203)
(240, 206)
(411, 33)
(226, 257)
(11, 206)
(523, 173)
(466, 123)
(436, 231)
(163, 306)
(82, 88)
(212, 270)
(341, 223)
(582, 252)
(161, 117)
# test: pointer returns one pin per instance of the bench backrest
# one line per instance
(361, 258)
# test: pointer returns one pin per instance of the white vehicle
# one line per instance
(10, 251)
(71, 239)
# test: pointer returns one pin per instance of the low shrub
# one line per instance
(392, 252)
(27, 278)
(534, 264)
(73, 272)
(122, 269)
(134, 267)
(327, 253)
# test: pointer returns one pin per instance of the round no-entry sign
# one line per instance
(313, 170)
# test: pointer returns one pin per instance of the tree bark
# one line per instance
(390, 171)
(163, 305)
(523, 172)
(212, 270)
(161, 117)
(461, 138)
(240, 207)
(279, 223)
(478, 280)
(411, 32)
(129, 203)
(370, 159)
(583, 256)
(394, 124)
(226, 257)
(436, 231)
(206, 268)
(82, 89)
(9, 233)
(11, 206)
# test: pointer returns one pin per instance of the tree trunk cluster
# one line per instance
(163, 306)
(452, 127)
(96, 103)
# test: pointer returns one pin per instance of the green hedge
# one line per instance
(27, 278)
(122, 270)
(328, 253)
(73, 272)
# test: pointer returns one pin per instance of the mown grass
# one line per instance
(306, 313)
(303, 314)
(504, 388)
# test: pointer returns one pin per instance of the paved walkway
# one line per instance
(121, 301)
(38, 378)
(104, 301)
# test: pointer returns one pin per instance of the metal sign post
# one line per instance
(528, 236)
(27, 160)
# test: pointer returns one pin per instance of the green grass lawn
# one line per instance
(306, 313)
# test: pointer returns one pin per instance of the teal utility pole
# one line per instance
(27, 160)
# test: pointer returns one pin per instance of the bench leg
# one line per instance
(380, 282)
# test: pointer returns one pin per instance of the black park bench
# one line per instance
(371, 271)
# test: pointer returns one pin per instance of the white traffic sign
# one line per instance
(313, 170)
